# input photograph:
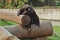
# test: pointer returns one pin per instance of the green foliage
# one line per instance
(57, 3)
(34, 3)
(12, 5)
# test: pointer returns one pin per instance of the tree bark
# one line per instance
(44, 30)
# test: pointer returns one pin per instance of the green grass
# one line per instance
(6, 22)
(56, 34)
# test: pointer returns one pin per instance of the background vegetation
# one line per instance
(36, 3)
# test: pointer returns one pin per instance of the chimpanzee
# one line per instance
(28, 10)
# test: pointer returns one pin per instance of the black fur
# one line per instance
(27, 10)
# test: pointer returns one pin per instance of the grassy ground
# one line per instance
(56, 29)
(56, 34)
(6, 22)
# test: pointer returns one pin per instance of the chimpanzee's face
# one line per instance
(29, 9)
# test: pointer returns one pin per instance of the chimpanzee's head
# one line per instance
(24, 9)
(29, 9)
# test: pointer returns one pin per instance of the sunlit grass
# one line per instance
(5, 22)
(56, 34)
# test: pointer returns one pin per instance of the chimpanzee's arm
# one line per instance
(20, 12)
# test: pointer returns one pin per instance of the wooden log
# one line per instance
(23, 19)
(44, 30)
(39, 38)
(5, 35)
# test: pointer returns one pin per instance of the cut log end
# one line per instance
(24, 19)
